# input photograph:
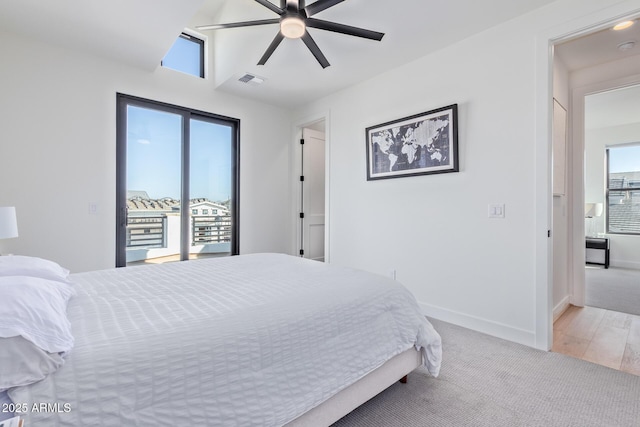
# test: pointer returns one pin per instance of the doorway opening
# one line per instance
(585, 72)
(612, 196)
(311, 167)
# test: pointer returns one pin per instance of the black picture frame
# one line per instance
(422, 144)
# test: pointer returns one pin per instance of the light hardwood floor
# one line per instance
(600, 336)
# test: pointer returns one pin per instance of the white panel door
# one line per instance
(313, 198)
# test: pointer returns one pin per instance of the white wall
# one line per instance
(434, 230)
(57, 151)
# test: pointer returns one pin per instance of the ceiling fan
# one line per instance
(294, 20)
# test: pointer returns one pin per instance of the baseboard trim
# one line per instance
(634, 265)
(479, 324)
(560, 308)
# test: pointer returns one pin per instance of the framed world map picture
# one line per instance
(425, 143)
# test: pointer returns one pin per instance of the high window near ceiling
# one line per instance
(173, 162)
(623, 189)
(186, 55)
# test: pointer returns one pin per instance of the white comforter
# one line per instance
(252, 340)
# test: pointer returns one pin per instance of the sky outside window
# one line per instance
(154, 153)
(624, 159)
(154, 140)
(210, 161)
(185, 55)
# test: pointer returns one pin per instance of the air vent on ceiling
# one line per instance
(628, 45)
(251, 79)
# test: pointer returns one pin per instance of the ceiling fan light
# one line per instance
(292, 27)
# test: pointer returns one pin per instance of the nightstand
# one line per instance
(599, 243)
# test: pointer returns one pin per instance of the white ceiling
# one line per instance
(139, 33)
(134, 32)
(611, 108)
(413, 28)
(598, 47)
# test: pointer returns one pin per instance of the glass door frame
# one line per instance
(122, 102)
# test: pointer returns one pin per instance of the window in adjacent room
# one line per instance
(169, 160)
(623, 189)
(186, 55)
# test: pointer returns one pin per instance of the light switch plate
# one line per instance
(496, 210)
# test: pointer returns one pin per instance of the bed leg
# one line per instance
(403, 380)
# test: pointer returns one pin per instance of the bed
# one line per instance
(250, 340)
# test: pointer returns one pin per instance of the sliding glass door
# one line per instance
(177, 189)
(153, 185)
(210, 187)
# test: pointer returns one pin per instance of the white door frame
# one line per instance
(578, 97)
(545, 40)
(295, 181)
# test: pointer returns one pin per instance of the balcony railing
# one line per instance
(210, 229)
(146, 231)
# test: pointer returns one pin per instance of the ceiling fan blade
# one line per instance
(320, 5)
(239, 24)
(272, 47)
(313, 47)
(271, 6)
(344, 29)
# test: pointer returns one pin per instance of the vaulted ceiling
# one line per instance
(413, 28)
(134, 32)
(139, 33)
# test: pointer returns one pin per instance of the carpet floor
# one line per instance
(616, 289)
(489, 382)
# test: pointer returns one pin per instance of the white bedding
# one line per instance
(251, 340)
(6, 409)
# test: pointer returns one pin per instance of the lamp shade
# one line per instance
(8, 223)
(593, 209)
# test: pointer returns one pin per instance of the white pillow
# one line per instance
(36, 309)
(19, 265)
(23, 363)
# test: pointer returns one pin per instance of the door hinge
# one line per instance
(301, 178)
(548, 233)
(301, 214)
(302, 141)
(301, 252)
